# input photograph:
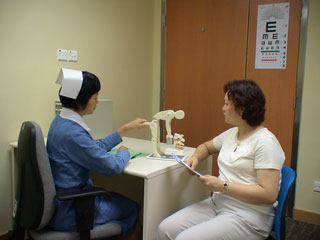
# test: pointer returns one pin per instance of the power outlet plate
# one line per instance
(62, 54)
(316, 186)
(73, 56)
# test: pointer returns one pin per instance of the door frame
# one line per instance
(163, 59)
(298, 101)
(299, 84)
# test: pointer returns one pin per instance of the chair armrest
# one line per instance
(82, 194)
(84, 208)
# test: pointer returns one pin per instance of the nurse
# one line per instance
(74, 154)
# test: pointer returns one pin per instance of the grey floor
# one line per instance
(301, 231)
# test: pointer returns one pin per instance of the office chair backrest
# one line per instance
(35, 187)
(287, 178)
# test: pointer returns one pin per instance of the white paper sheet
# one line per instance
(186, 165)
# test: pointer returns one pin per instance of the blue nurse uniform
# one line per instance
(73, 156)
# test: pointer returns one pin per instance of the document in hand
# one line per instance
(186, 165)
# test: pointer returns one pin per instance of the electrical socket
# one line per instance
(62, 54)
(316, 186)
(73, 56)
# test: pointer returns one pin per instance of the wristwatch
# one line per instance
(225, 186)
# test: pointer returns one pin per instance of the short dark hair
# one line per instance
(90, 85)
(247, 97)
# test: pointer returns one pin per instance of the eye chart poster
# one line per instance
(272, 36)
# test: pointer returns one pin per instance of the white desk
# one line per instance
(161, 187)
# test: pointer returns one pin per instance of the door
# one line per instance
(201, 55)
(279, 85)
(211, 42)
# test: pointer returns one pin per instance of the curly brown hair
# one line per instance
(247, 97)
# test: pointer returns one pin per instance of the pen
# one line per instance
(135, 156)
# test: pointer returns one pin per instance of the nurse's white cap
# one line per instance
(70, 81)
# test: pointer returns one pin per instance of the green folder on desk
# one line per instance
(133, 153)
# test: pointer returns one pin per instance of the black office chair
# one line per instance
(35, 195)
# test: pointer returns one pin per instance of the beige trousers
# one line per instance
(216, 218)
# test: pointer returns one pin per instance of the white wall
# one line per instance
(116, 39)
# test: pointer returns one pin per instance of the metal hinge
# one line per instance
(164, 21)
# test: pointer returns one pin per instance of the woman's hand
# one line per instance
(212, 183)
(135, 124)
(192, 162)
(203, 151)
(264, 192)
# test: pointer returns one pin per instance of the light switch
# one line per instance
(62, 55)
(73, 56)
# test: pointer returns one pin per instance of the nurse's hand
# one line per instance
(135, 124)
(122, 148)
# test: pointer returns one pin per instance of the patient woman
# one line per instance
(250, 159)
(74, 154)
